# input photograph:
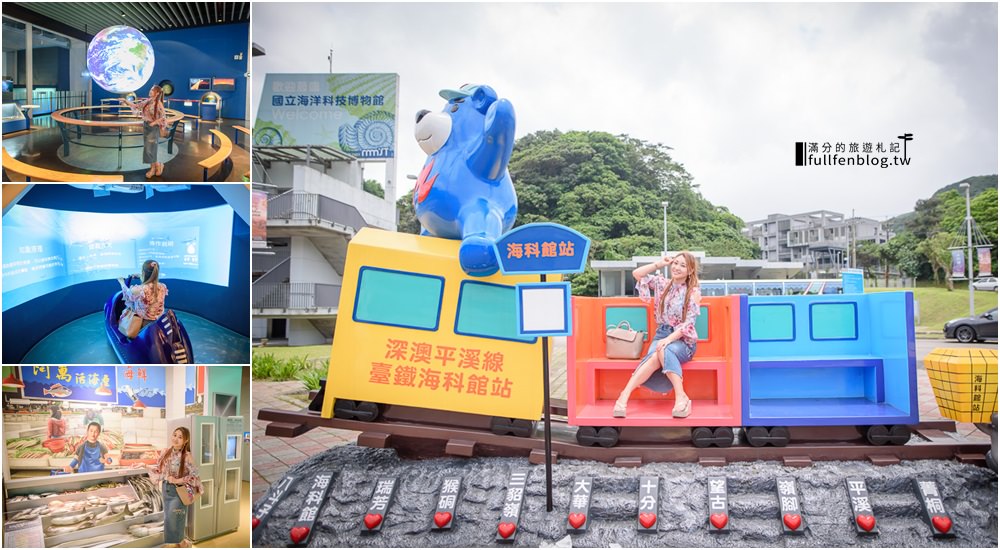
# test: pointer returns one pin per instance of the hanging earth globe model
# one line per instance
(120, 59)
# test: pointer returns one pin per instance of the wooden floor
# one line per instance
(39, 145)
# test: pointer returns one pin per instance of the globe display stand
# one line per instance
(87, 132)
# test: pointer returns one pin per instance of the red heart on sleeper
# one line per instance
(506, 529)
(793, 521)
(865, 522)
(576, 520)
(941, 523)
(255, 521)
(442, 518)
(647, 520)
(299, 534)
(372, 520)
(718, 520)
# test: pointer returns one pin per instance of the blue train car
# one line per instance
(838, 360)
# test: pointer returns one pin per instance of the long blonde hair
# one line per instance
(151, 275)
(691, 281)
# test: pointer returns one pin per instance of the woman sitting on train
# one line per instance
(677, 303)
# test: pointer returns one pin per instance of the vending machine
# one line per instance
(216, 449)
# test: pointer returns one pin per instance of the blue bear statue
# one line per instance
(464, 190)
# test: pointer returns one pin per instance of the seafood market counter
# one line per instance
(115, 508)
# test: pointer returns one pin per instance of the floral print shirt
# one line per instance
(140, 298)
(192, 482)
(656, 284)
(151, 112)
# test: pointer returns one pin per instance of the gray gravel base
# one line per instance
(970, 496)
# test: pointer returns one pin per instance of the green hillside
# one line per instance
(977, 184)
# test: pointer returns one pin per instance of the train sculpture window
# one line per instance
(398, 298)
(833, 321)
(635, 315)
(701, 324)
(488, 311)
(772, 323)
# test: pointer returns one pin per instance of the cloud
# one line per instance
(730, 87)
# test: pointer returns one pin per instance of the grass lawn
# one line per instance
(937, 305)
(280, 352)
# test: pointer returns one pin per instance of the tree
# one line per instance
(406, 219)
(868, 258)
(610, 188)
(926, 218)
(935, 249)
(904, 253)
(375, 188)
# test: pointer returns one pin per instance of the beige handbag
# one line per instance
(130, 323)
(623, 343)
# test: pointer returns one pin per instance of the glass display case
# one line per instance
(13, 118)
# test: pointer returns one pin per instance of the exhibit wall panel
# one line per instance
(200, 52)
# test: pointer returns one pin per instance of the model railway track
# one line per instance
(424, 440)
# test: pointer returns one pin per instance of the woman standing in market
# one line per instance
(154, 125)
(175, 468)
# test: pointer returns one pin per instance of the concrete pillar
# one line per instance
(250, 116)
(175, 376)
(29, 69)
(390, 181)
(79, 79)
(246, 413)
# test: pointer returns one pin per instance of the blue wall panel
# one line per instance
(199, 52)
(769, 322)
(27, 324)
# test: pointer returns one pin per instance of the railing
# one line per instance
(297, 205)
(295, 295)
(263, 263)
(50, 101)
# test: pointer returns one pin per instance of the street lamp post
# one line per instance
(665, 249)
(968, 238)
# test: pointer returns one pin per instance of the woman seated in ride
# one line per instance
(676, 305)
(146, 298)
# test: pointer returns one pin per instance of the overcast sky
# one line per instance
(730, 88)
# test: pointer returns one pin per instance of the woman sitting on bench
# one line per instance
(677, 303)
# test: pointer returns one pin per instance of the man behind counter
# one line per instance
(90, 454)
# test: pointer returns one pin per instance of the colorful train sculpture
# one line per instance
(416, 331)
(428, 323)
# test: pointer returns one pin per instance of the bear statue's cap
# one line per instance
(465, 91)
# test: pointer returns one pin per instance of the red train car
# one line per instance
(712, 378)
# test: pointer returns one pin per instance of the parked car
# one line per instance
(985, 283)
(970, 329)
